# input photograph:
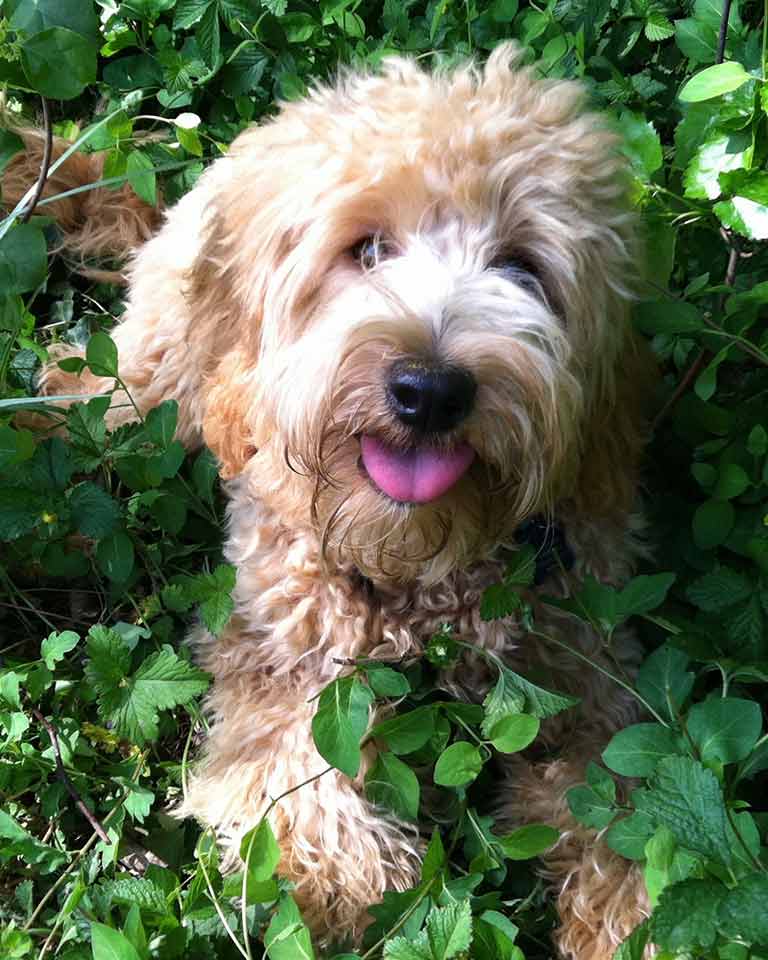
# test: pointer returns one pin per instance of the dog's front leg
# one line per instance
(341, 853)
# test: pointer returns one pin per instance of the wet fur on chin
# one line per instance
(250, 310)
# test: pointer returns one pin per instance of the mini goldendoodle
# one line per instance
(397, 314)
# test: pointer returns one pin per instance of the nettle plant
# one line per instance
(111, 542)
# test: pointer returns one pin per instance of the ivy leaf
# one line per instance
(340, 722)
(392, 784)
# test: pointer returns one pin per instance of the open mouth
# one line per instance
(415, 474)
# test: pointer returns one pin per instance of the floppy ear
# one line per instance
(616, 430)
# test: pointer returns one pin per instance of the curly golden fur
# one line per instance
(249, 308)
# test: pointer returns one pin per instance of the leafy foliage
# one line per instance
(111, 543)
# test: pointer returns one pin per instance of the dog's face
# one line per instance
(417, 288)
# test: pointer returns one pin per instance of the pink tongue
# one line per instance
(414, 476)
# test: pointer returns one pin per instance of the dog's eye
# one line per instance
(371, 250)
(520, 271)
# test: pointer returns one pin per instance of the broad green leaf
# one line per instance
(514, 732)
(634, 947)
(630, 835)
(386, 682)
(19, 843)
(59, 63)
(644, 593)
(725, 728)
(57, 645)
(714, 82)
(499, 600)
(94, 512)
(160, 423)
(745, 216)
(260, 851)
(34, 16)
(590, 808)
(665, 681)
(393, 785)
(449, 930)
(713, 158)
(712, 522)
(141, 176)
(340, 722)
(16, 446)
(529, 841)
(718, 589)
(669, 317)
(23, 259)
(514, 694)
(110, 944)
(408, 732)
(101, 355)
(495, 936)
(115, 556)
(732, 481)
(458, 765)
(140, 891)
(636, 751)
(287, 937)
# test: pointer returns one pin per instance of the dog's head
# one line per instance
(411, 299)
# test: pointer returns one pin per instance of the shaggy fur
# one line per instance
(250, 308)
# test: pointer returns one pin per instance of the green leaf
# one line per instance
(115, 556)
(664, 681)
(160, 423)
(686, 797)
(499, 600)
(594, 804)
(33, 16)
(712, 522)
(94, 513)
(458, 765)
(634, 946)
(23, 259)
(742, 914)
(260, 851)
(408, 732)
(141, 891)
(514, 694)
(719, 589)
(636, 751)
(208, 35)
(745, 216)
(16, 446)
(629, 836)
(59, 63)
(449, 930)
(725, 729)
(529, 841)
(16, 842)
(393, 785)
(101, 355)
(57, 645)
(386, 682)
(495, 937)
(658, 27)
(109, 944)
(732, 481)
(713, 158)
(514, 733)
(645, 593)
(287, 937)
(714, 82)
(161, 682)
(340, 722)
(141, 175)
(188, 12)
(641, 143)
(686, 915)
(668, 317)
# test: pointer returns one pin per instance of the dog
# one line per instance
(397, 312)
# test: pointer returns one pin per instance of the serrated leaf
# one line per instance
(641, 143)
(94, 512)
(686, 915)
(449, 930)
(16, 842)
(742, 912)
(719, 589)
(161, 682)
(499, 600)
(209, 35)
(686, 797)
(340, 722)
(139, 890)
(57, 645)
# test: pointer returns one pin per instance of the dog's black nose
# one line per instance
(431, 399)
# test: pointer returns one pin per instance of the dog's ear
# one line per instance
(616, 431)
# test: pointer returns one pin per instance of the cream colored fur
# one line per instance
(249, 309)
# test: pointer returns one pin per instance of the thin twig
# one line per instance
(61, 773)
(45, 163)
(723, 32)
